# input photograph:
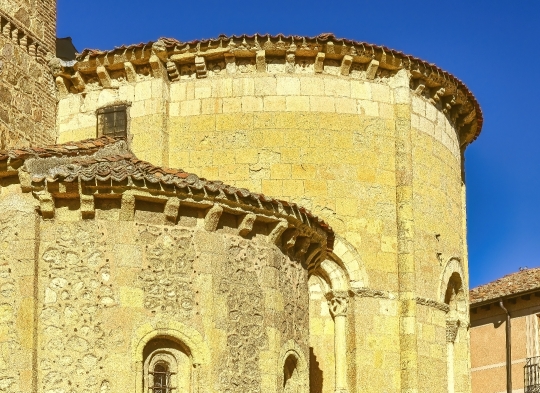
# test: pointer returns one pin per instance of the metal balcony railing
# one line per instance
(532, 375)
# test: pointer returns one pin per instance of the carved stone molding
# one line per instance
(433, 304)
(375, 293)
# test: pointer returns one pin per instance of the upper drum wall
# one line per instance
(318, 121)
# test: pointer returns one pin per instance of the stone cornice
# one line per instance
(433, 304)
(324, 54)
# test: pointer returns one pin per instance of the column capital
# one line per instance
(452, 326)
(338, 303)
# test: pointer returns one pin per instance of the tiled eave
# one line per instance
(175, 60)
(511, 298)
(106, 163)
(511, 287)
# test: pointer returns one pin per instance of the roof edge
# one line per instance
(446, 91)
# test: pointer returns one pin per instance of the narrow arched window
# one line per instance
(167, 367)
(162, 378)
(290, 375)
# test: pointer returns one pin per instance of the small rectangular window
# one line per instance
(112, 121)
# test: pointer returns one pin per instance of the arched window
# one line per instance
(162, 378)
(291, 378)
(167, 367)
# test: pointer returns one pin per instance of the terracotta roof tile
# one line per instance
(513, 284)
(67, 149)
(85, 165)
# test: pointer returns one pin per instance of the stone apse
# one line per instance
(130, 266)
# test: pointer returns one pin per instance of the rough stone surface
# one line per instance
(27, 92)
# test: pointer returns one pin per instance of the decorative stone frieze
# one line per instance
(374, 293)
(433, 304)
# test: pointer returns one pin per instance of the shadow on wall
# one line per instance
(315, 374)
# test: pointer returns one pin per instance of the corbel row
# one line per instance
(22, 38)
(300, 242)
(174, 64)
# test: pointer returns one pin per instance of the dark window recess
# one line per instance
(112, 121)
(162, 378)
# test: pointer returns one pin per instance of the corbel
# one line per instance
(61, 86)
(78, 81)
(15, 36)
(420, 87)
(211, 219)
(346, 64)
(200, 67)
(289, 239)
(172, 70)
(127, 209)
(159, 49)
(32, 49)
(319, 62)
(260, 61)
(6, 31)
(131, 74)
(246, 226)
(88, 209)
(25, 180)
(372, 68)
(290, 62)
(275, 235)
(46, 204)
(230, 62)
(437, 96)
(23, 42)
(104, 77)
(171, 209)
(330, 47)
(301, 246)
(158, 69)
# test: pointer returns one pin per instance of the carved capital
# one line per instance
(452, 326)
(338, 303)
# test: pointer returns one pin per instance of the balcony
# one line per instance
(532, 375)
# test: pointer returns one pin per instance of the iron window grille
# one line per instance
(112, 121)
(532, 375)
(161, 378)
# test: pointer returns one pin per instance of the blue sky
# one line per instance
(493, 46)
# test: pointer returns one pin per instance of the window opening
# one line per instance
(112, 121)
(162, 379)
(290, 375)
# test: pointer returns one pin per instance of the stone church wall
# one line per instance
(17, 291)
(100, 281)
(369, 140)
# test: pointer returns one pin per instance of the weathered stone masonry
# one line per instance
(27, 94)
(122, 245)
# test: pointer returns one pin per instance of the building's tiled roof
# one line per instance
(513, 284)
(118, 164)
(68, 149)
(393, 56)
